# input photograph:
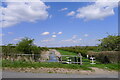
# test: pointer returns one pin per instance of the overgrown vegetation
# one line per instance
(110, 43)
(25, 46)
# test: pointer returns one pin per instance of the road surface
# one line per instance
(10, 74)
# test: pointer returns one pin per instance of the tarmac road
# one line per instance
(10, 74)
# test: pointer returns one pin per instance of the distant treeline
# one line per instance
(79, 49)
(27, 46)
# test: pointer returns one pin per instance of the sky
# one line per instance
(58, 24)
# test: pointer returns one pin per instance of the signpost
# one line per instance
(92, 60)
(68, 60)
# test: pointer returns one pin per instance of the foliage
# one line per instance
(9, 49)
(25, 46)
(106, 56)
(110, 43)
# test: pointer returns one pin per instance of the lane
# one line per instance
(10, 74)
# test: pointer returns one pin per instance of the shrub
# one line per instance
(106, 56)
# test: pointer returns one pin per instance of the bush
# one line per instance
(106, 56)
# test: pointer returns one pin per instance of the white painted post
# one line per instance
(92, 59)
(87, 56)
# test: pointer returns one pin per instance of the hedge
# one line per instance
(106, 56)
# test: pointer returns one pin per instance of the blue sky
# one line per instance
(62, 24)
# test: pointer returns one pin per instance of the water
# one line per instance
(53, 58)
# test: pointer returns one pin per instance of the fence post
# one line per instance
(61, 59)
(80, 58)
(75, 60)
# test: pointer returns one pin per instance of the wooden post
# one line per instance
(75, 59)
(80, 58)
(61, 59)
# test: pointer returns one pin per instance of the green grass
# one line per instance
(85, 66)
(20, 64)
(66, 52)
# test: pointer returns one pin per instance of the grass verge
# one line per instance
(21, 64)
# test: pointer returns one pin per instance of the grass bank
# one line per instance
(66, 52)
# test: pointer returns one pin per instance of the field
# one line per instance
(66, 52)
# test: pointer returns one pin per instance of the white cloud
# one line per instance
(17, 12)
(63, 9)
(54, 36)
(17, 39)
(10, 32)
(80, 39)
(74, 37)
(72, 13)
(71, 41)
(59, 32)
(45, 33)
(67, 40)
(1, 34)
(86, 35)
(98, 10)
(48, 40)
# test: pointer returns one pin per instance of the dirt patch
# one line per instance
(61, 70)
(103, 71)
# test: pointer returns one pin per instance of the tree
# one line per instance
(26, 46)
(110, 43)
